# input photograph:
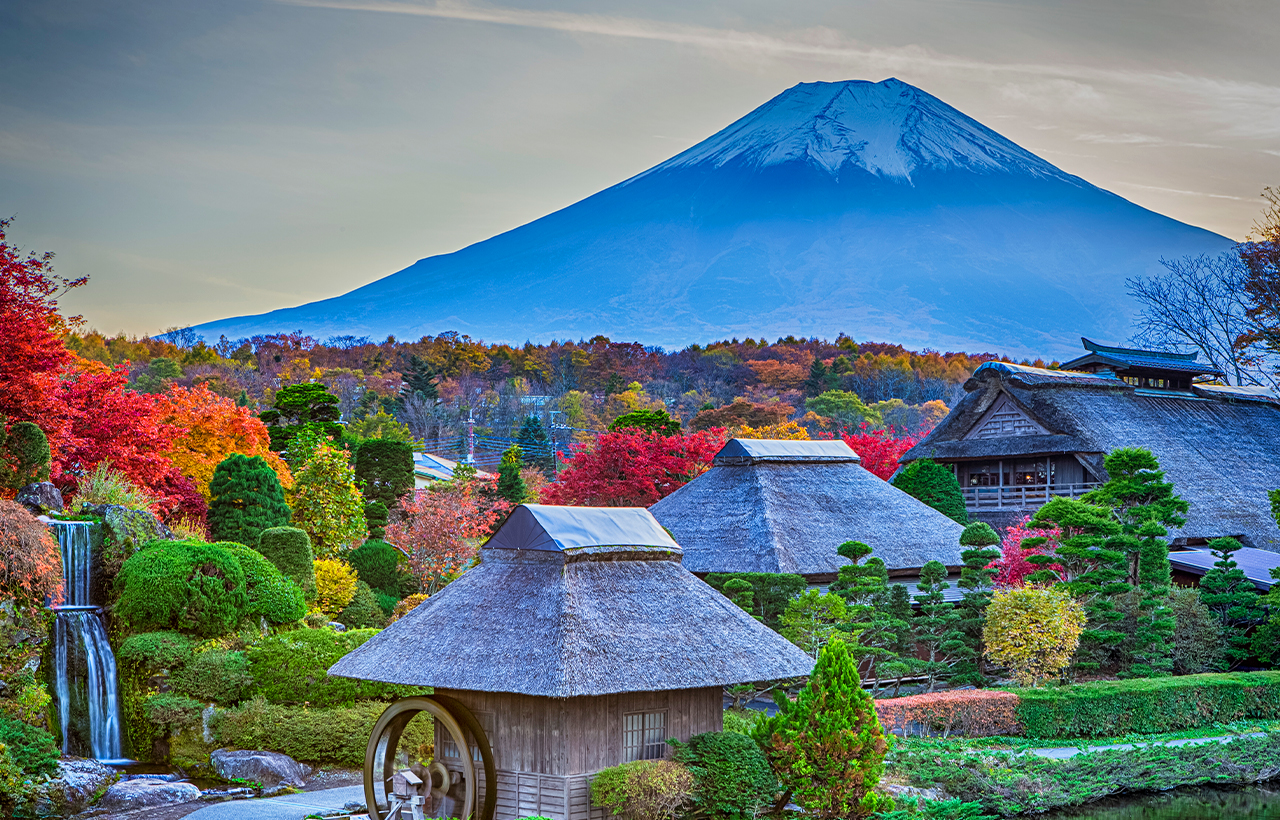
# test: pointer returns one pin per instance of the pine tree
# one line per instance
(1153, 635)
(821, 379)
(865, 588)
(535, 445)
(977, 581)
(1232, 598)
(420, 380)
(384, 470)
(742, 594)
(510, 484)
(245, 498)
(375, 517)
(901, 637)
(827, 745)
(301, 406)
(937, 624)
(935, 485)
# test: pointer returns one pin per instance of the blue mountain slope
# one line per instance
(869, 208)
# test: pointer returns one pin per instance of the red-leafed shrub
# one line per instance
(1012, 567)
(30, 564)
(971, 713)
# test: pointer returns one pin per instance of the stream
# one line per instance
(1183, 804)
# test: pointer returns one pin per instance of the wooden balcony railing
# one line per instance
(1020, 496)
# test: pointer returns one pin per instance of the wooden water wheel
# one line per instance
(455, 793)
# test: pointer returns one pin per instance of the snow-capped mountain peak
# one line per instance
(890, 129)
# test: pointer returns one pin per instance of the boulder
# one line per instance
(147, 792)
(133, 527)
(40, 497)
(78, 782)
(272, 769)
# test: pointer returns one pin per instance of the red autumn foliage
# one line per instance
(1012, 567)
(30, 563)
(879, 449)
(442, 527)
(971, 713)
(633, 469)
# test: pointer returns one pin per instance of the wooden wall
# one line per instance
(546, 749)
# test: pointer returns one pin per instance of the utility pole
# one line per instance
(471, 437)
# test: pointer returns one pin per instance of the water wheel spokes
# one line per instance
(380, 755)
(469, 722)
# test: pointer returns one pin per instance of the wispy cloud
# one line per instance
(1185, 193)
(1140, 139)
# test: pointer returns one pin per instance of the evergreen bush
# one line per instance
(387, 603)
(269, 594)
(217, 675)
(31, 747)
(156, 651)
(363, 612)
(182, 585)
(375, 519)
(732, 778)
(300, 407)
(1197, 634)
(293, 667)
(935, 485)
(289, 548)
(386, 468)
(511, 484)
(24, 455)
(245, 498)
(377, 564)
(771, 592)
(171, 711)
(643, 789)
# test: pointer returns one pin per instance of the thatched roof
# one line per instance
(1217, 444)
(779, 514)
(570, 601)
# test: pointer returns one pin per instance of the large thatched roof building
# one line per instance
(1022, 434)
(580, 643)
(786, 506)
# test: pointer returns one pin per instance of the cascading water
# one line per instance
(85, 683)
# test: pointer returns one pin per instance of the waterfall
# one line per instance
(85, 681)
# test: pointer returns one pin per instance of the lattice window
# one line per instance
(1005, 419)
(644, 736)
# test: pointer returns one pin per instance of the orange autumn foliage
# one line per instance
(971, 713)
(30, 563)
(213, 427)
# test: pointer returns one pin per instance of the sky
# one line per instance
(199, 159)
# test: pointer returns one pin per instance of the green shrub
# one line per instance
(1146, 706)
(153, 651)
(643, 789)
(375, 517)
(377, 564)
(387, 603)
(732, 778)
(289, 548)
(217, 675)
(24, 455)
(172, 711)
(386, 468)
(742, 721)
(245, 498)
(16, 789)
(771, 592)
(335, 735)
(363, 612)
(935, 485)
(182, 585)
(31, 747)
(269, 594)
(292, 667)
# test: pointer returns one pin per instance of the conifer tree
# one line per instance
(301, 406)
(865, 588)
(977, 580)
(535, 445)
(1232, 598)
(420, 380)
(384, 470)
(827, 745)
(937, 624)
(375, 516)
(511, 485)
(245, 498)
(742, 594)
(902, 639)
(821, 379)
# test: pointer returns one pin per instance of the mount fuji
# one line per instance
(873, 209)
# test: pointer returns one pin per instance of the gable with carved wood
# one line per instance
(1003, 420)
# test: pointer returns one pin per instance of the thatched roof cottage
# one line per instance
(786, 506)
(579, 643)
(1023, 434)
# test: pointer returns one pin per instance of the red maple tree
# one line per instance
(1012, 567)
(879, 449)
(442, 527)
(630, 468)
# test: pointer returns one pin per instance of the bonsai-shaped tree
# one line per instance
(375, 517)
(384, 470)
(977, 580)
(649, 421)
(937, 624)
(299, 406)
(245, 499)
(742, 594)
(511, 485)
(1232, 598)
(826, 746)
(1034, 632)
(935, 485)
(865, 587)
(289, 548)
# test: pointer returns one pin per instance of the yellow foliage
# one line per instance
(335, 585)
(787, 431)
(1034, 632)
(407, 605)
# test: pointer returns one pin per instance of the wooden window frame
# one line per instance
(645, 747)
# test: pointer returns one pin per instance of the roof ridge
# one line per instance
(1096, 347)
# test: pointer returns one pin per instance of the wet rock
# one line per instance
(337, 627)
(147, 792)
(78, 783)
(272, 769)
(40, 497)
(900, 793)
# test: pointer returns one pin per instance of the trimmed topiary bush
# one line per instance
(935, 485)
(154, 651)
(183, 585)
(292, 667)
(377, 564)
(375, 517)
(386, 468)
(269, 594)
(289, 548)
(364, 611)
(217, 675)
(31, 747)
(245, 499)
(732, 778)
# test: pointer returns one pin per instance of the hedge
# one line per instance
(971, 713)
(1147, 706)
(293, 667)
